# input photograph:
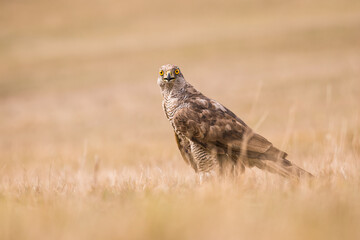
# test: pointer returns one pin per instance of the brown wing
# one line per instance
(209, 123)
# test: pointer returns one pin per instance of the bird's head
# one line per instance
(170, 77)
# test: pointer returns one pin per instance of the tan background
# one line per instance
(86, 151)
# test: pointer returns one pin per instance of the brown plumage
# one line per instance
(210, 137)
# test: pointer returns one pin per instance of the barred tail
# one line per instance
(285, 168)
(275, 161)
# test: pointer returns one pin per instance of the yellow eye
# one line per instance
(161, 72)
(177, 71)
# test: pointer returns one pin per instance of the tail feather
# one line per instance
(285, 168)
(274, 160)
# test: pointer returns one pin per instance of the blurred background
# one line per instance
(78, 86)
(75, 73)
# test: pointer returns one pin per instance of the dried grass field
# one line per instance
(87, 153)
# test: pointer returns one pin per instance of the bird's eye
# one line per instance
(177, 71)
(161, 72)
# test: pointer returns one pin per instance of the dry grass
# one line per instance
(86, 152)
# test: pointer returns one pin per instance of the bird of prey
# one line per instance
(211, 138)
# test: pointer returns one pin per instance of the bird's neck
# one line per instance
(173, 101)
(173, 93)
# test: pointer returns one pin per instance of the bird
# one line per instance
(211, 138)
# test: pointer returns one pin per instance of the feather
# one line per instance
(208, 134)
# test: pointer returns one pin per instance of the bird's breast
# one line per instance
(172, 104)
(170, 107)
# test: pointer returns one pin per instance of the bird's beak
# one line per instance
(169, 76)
